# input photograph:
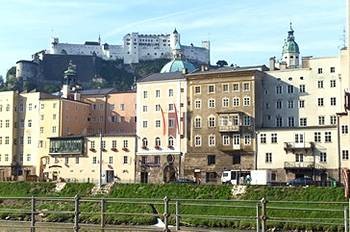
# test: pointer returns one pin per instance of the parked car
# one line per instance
(184, 181)
(301, 181)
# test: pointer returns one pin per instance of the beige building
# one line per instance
(84, 159)
(161, 113)
(224, 111)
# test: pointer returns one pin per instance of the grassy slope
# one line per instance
(19, 189)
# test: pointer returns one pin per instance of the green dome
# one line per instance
(290, 47)
(177, 65)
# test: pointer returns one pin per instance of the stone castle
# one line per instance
(135, 47)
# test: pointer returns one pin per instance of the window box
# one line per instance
(125, 149)
(92, 149)
(104, 149)
(114, 149)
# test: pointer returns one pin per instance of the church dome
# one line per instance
(290, 47)
(177, 65)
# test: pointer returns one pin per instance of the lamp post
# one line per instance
(100, 162)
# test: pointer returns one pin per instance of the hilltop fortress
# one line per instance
(135, 47)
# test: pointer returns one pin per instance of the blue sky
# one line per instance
(243, 32)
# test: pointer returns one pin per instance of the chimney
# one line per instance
(204, 67)
(272, 63)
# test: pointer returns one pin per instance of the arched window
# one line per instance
(197, 141)
(157, 142)
(170, 141)
(211, 121)
(197, 122)
(144, 142)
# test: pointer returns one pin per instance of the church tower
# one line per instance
(70, 80)
(174, 39)
(290, 50)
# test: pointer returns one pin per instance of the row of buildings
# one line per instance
(290, 118)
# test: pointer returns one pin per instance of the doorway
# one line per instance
(110, 176)
(144, 177)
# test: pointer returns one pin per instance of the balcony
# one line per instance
(66, 145)
(236, 148)
(294, 147)
(232, 128)
(303, 165)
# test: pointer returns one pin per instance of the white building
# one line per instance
(135, 47)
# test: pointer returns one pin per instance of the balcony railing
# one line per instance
(292, 146)
(232, 128)
(303, 165)
(241, 147)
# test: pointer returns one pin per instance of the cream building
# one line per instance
(85, 158)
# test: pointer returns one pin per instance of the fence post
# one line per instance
(166, 214)
(103, 205)
(32, 216)
(263, 214)
(346, 223)
(177, 212)
(76, 213)
(257, 218)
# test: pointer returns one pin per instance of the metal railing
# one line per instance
(172, 213)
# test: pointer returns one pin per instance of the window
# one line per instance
(197, 104)
(30, 107)
(7, 140)
(344, 129)
(328, 137)
(110, 160)
(114, 144)
(92, 145)
(246, 120)
(320, 84)
(41, 117)
(170, 141)
(299, 138)
(0, 140)
(225, 88)
(333, 119)
(197, 141)
(247, 139)
(122, 107)
(125, 143)
(236, 159)
(157, 159)
(171, 107)
(211, 121)
(29, 123)
(333, 101)
(246, 86)
(279, 104)
(211, 159)
(29, 140)
(145, 94)
(323, 157)
(235, 101)
(290, 104)
(302, 88)
(290, 89)
(53, 129)
(332, 70)
(301, 103)
(263, 138)
(211, 88)
(144, 124)
(320, 120)
(268, 157)
(246, 101)
(157, 142)
(94, 160)
(76, 160)
(157, 123)
(279, 122)
(7, 123)
(317, 137)
(279, 89)
(274, 138)
(0, 123)
(197, 122)
(291, 121)
(225, 102)
(157, 107)
(197, 89)
(345, 154)
(319, 70)
(235, 87)
(29, 157)
(211, 103)
(103, 145)
(171, 123)
(333, 83)
(236, 139)
(143, 159)
(144, 108)
(211, 140)
(225, 140)
(157, 93)
(303, 121)
(171, 92)
(299, 158)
